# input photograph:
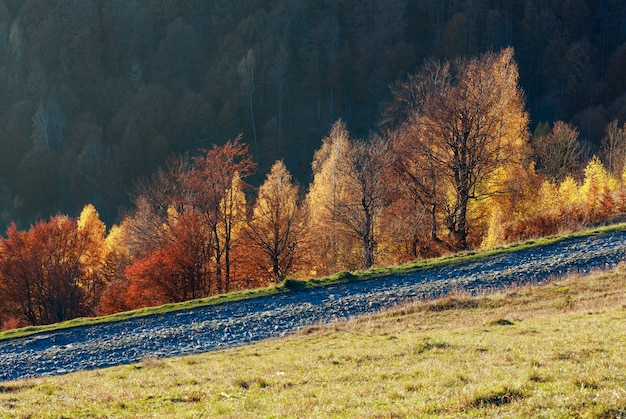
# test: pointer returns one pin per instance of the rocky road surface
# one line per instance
(226, 325)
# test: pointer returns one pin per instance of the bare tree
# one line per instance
(613, 148)
(559, 152)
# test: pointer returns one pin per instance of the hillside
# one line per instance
(550, 351)
(98, 93)
(159, 151)
(236, 319)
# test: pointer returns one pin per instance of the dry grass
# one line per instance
(552, 351)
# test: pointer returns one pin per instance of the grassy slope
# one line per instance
(296, 285)
(553, 351)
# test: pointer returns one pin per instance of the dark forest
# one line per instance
(96, 94)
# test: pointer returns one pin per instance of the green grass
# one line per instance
(522, 353)
(292, 285)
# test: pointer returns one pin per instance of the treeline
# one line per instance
(96, 94)
(455, 167)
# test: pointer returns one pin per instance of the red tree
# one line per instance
(177, 271)
(44, 276)
(212, 184)
(186, 222)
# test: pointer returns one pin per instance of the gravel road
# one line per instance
(226, 325)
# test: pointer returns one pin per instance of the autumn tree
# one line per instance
(568, 205)
(418, 158)
(596, 190)
(234, 212)
(93, 231)
(472, 113)
(177, 271)
(368, 193)
(117, 259)
(214, 188)
(613, 148)
(276, 223)
(143, 230)
(168, 258)
(346, 198)
(186, 223)
(558, 152)
(332, 249)
(47, 272)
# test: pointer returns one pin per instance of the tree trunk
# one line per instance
(368, 240)
(458, 220)
(254, 136)
(433, 222)
(218, 261)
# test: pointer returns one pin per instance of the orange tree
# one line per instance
(46, 275)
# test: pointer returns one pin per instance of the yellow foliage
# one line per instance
(115, 242)
(234, 209)
(495, 230)
(549, 198)
(569, 194)
(277, 192)
(172, 213)
(598, 182)
(330, 188)
(89, 221)
(93, 230)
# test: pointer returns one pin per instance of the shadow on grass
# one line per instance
(14, 388)
(494, 398)
(453, 303)
(501, 322)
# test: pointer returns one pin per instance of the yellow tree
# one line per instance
(569, 193)
(471, 112)
(497, 210)
(233, 214)
(333, 247)
(117, 259)
(365, 167)
(94, 232)
(347, 196)
(597, 188)
(549, 199)
(276, 223)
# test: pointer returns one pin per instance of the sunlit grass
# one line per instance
(557, 350)
(292, 285)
